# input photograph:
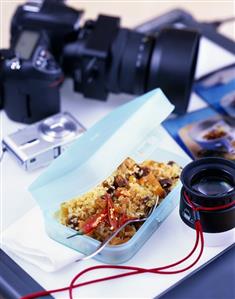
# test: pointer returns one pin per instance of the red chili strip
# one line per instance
(113, 220)
(93, 221)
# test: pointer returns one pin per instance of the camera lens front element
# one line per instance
(212, 184)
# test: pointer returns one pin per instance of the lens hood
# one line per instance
(173, 64)
(209, 182)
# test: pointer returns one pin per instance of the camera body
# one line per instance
(30, 70)
(58, 22)
(2, 57)
(87, 58)
(31, 78)
(38, 144)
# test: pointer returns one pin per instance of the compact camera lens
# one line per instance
(209, 182)
(58, 127)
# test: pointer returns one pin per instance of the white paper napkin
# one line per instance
(27, 239)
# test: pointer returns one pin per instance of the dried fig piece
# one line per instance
(119, 181)
(165, 183)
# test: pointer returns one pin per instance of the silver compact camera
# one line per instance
(38, 144)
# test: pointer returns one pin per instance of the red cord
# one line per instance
(138, 270)
(195, 208)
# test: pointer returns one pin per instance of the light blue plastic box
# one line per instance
(131, 130)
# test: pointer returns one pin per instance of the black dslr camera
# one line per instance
(31, 78)
(30, 71)
(101, 57)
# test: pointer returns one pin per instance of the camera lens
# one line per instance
(106, 58)
(58, 127)
(209, 182)
(129, 63)
(212, 184)
(140, 63)
(172, 65)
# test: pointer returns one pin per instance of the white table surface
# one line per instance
(16, 201)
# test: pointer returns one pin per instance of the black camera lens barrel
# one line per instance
(134, 65)
(173, 65)
(134, 62)
(167, 60)
(209, 182)
(114, 61)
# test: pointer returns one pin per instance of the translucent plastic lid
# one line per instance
(98, 151)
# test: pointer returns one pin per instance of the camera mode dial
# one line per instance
(44, 61)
